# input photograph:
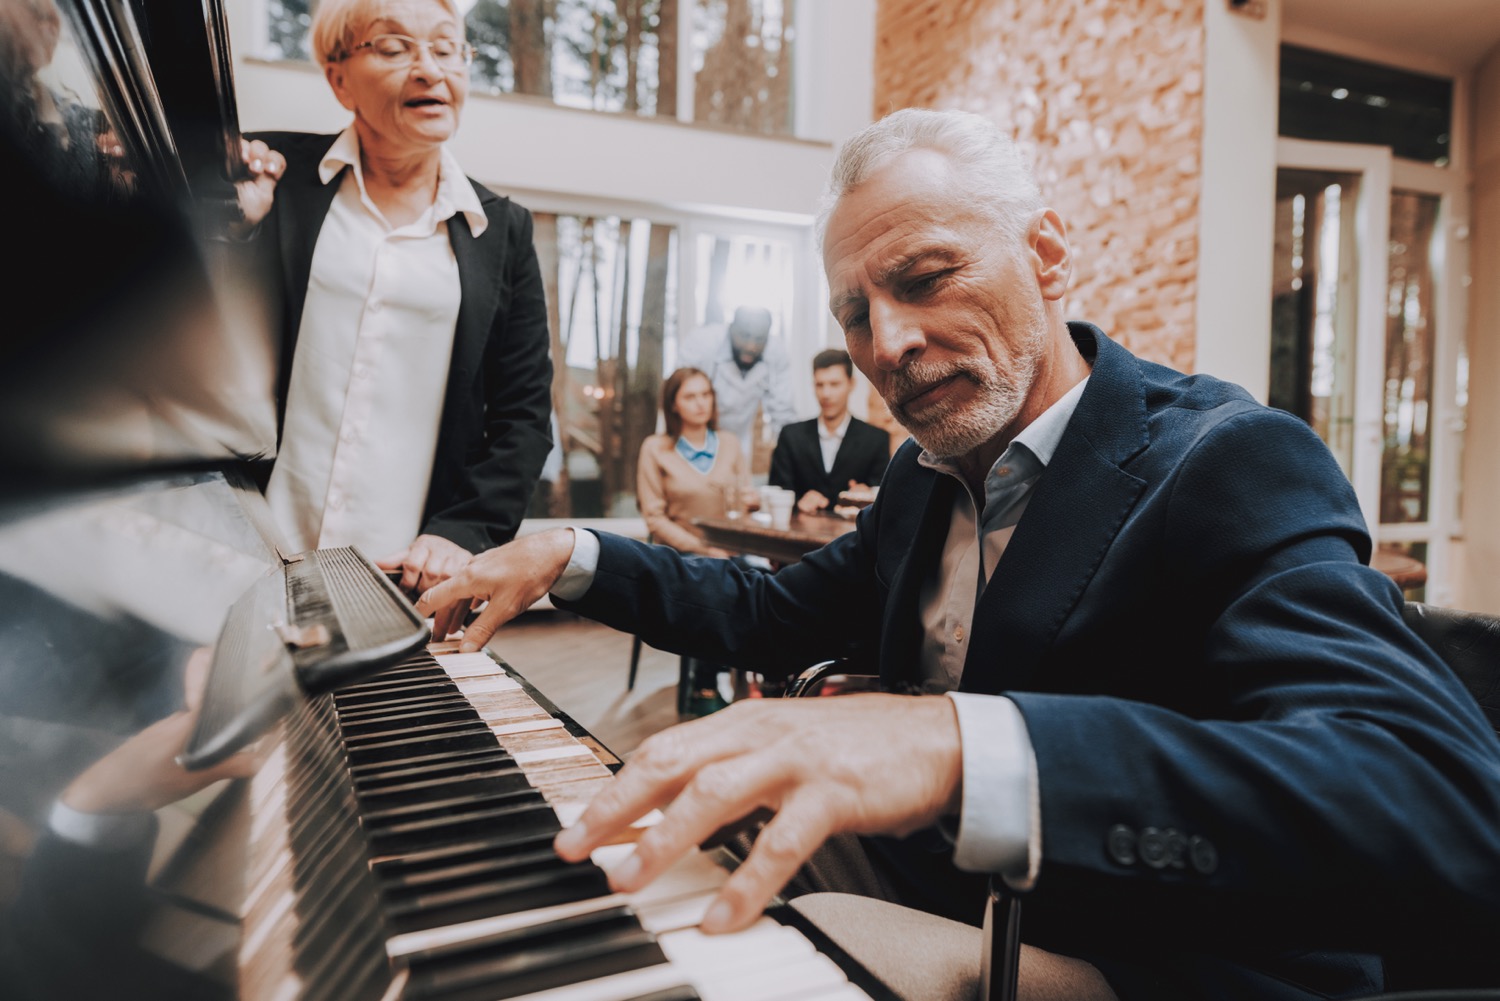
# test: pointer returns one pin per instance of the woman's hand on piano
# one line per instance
(427, 562)
(511, 578)
(256, 190)
(863, 764)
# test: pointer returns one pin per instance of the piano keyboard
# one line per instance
(401, 847)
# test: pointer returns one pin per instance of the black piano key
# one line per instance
(376, 737)
(367, 701)
(478, 751)
(381, 685)
(497, 766)
(354, 953)
(407, 747)
(520, 821)
(430, 871)
(385, 816)
(412, 702)
(541, 957)
(408, 721)
(546, 885)
(437, 856)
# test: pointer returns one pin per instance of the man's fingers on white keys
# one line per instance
(717, 795)
(782, 846)
(450, 619)
(651, 779)
(486, 624)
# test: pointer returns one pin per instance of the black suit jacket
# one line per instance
(797, 461)
(494, 433)
(1253, 776)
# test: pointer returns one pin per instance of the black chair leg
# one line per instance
(686, 668)
(1000, 966)
(635, 661)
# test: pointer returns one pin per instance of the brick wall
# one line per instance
(1107, 95)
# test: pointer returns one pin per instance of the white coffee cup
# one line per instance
(782, 504)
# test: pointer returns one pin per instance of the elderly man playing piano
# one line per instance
(1137, 664)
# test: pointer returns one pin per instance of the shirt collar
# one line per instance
(454, 192)
(837, 435)
(1041, 437)
(690, 451)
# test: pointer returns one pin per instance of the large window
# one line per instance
(719, 62)
(611, 290)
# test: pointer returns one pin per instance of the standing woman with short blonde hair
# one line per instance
(414, 394)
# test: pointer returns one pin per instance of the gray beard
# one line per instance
(950, 432)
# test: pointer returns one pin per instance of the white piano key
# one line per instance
(619, 987)
(773, 980)
(464, 665)
(481, 686)
(527, 726)
(541, 754)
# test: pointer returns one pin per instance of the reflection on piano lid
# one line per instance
(131, 337)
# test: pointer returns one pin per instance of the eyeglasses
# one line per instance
(403, 50)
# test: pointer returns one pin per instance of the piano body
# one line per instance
(388, 839)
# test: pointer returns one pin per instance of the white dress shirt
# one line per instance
(999, 828)
(999, 824)
(829, 442)
(371, 365)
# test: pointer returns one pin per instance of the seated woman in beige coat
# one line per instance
(692, 471)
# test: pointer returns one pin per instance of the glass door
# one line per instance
(1366, 343)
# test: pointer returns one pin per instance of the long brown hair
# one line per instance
(669, 390)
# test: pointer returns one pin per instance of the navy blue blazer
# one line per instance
(797, 461)
(495, 429)
(1243, 753)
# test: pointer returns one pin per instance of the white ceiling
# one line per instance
(1458, 33)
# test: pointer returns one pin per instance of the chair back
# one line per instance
(1468, 642)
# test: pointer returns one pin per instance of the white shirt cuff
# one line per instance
(578, 575)
(106, 831)
(999, 824)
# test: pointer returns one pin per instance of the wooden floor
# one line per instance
(582, 667)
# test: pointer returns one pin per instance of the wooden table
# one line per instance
(1407, 571)
(748, 534)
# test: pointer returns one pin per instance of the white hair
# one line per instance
(999, 168)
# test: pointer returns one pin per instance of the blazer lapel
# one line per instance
(302, 203)
(901, 632)
(305, 201)
(1080, 503)
(481, 267)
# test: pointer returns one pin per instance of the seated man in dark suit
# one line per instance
(835, 451)
(1137, 664)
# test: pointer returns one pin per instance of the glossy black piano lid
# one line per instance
(135, 384)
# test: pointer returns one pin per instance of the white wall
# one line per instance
(1479, 571)
(1237, 203)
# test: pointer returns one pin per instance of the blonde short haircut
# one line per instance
(337, 25)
